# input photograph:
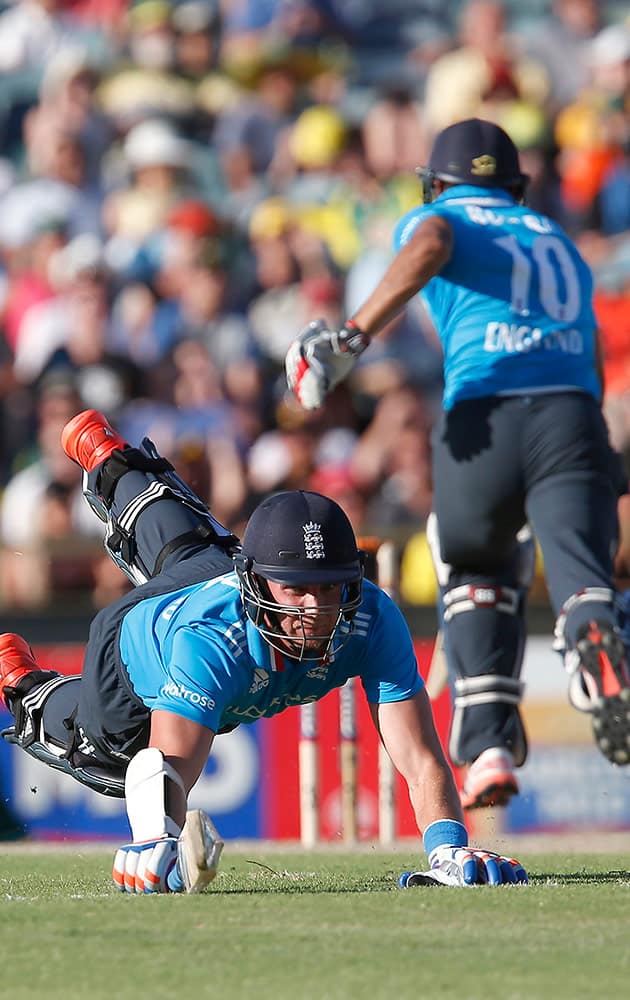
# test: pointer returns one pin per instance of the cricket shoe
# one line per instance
(16, 663)
(490, 780)
(600, 684)
(88, 439)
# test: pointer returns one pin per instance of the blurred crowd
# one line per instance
(184, 184)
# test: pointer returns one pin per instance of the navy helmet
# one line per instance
(299, 538)
(476, 152)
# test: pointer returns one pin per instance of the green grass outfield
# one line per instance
(313, 926)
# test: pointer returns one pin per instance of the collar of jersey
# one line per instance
(480, 195)
(260, 650)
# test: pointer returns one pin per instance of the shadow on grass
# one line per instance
(265, 879)
(301, 890)
(580, 878)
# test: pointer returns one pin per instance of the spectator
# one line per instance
(142, 81)
(158, 160)
(70, 332)
(592, 132)
(184, 184)
(279, 459)
(390, 463)
(67, 98)
(267, 107)
(293, 277)
(196, 26)
(560, 42)
(28, 275)
(485, 66)
(42, 504)
(393, 133)
(198, 310)
(337, 482)
(32, 32)
(57, 162)
(316, 142)
(610, 59)
(612, 308)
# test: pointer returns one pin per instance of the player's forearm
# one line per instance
(434, 796)
(185, 746)
(599, 361)
(408, 732)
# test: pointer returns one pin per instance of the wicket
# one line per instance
(382, 567)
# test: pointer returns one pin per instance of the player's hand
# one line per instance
(147, 866)
(319, 359)
(462, 866)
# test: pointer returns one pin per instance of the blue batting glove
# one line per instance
(464, 866)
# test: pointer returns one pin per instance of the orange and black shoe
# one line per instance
(601, 685)
(16, 662)
(490, 780)
(88, 439)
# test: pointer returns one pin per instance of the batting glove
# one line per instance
(462, 866)
(148, 866)
(319, 359)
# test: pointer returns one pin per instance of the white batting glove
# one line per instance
(149, 862)
(145, 866)
(463, 866)
(319, 359)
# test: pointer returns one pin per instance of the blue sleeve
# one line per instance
(390, 672)
(202, 679)
(407, 225)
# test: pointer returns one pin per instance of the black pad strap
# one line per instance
(203, 534)
(120, 462)
(187, 538)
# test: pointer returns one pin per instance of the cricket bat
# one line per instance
(198, 852)
(437, 678)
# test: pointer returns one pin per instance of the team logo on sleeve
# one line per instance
(484, 166)
(313, 541)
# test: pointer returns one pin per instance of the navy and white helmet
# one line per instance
(299, 538)
(476, 152)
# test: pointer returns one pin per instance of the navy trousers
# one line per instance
(498, 463)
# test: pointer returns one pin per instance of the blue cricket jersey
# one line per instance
(195, 653)
(513, 305)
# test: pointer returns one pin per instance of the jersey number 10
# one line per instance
(556, 273)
